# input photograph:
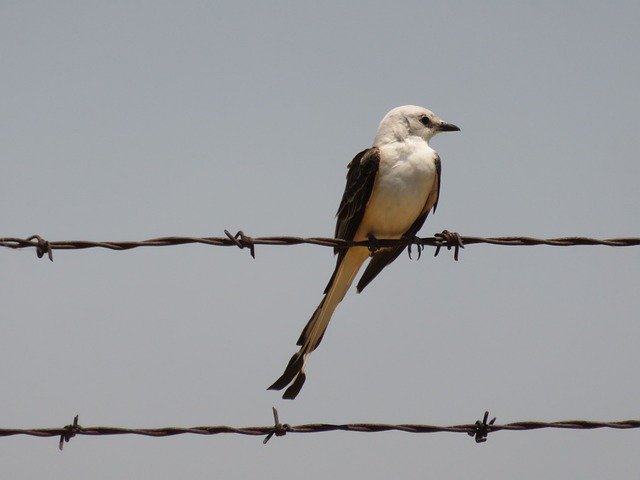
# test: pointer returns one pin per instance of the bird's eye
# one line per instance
(426, 121)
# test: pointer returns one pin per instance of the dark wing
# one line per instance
(360, 179)
(439, 180)
(382, 258)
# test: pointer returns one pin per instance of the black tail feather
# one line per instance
(380, 259)
(294, 367)
(307, 328)
(292, 392)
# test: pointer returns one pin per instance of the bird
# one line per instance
(391, 188)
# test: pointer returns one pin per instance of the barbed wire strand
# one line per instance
(445, 239)
(479, 430)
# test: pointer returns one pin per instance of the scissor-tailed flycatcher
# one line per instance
(391, 188)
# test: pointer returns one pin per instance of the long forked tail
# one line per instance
(346, 269)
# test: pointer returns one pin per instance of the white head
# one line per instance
(410, 121)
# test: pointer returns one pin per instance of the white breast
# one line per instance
(406, 177)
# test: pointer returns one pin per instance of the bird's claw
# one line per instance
(450, 240)
(374, 245)
(414, 241)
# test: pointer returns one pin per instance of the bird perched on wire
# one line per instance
(391, 188)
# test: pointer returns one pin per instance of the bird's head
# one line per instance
(410, 121)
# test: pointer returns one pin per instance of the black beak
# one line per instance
(448, 127)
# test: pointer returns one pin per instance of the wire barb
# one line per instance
(450, 240)
(69, 432)
(482, 429)
(42, 246)
(242, 241)
(279, 429)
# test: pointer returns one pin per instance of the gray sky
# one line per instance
(130, 120)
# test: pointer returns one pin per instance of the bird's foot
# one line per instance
(450, 240)
(374, 245)
(415, 240)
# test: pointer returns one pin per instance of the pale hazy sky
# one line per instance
(131, 120)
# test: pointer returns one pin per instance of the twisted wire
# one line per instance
(479, 430)
(445, 239)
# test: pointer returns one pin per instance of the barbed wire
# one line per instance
(479, 430)
(445, 239)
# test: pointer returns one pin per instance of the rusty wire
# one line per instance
(445, 239)
(479, 430)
